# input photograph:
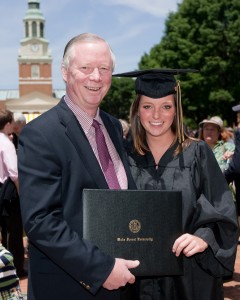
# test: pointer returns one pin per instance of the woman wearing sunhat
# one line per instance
(163, 157)
(212, 133)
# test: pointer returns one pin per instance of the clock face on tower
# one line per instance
(34, 47)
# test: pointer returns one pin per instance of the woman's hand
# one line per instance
(189, 244)
(228, 154)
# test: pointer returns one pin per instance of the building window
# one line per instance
(31, 116)
(41, 30)
(26, 30)
(34, 29)
(35, 71)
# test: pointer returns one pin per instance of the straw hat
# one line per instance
(213, 120)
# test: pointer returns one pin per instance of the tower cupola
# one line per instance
(34, 20)
(34, 58)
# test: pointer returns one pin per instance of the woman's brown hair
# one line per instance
(139, 133)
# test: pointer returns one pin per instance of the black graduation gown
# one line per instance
(208, 212)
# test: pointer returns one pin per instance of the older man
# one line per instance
(58, 158)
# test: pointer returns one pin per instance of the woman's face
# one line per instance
(157, 115)
(210, 134)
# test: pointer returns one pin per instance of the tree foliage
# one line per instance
(204, 35)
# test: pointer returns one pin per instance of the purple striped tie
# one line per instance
(105, 158)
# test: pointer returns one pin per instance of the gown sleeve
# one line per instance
(215, 219)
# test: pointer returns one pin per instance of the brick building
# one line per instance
(35, 94)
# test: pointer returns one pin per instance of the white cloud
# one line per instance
(153, 7)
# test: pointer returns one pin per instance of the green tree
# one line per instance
(119, 98)
(204, 35)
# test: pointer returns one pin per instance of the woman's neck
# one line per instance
(159, 145)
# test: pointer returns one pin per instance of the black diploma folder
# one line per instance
(136, 224)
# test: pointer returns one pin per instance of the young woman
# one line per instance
(163, 157)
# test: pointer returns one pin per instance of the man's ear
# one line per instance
(64, 72)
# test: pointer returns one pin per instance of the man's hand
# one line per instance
(189, 244)
(120, 274)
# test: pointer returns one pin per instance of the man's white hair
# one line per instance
(19, 118)
(84, 37)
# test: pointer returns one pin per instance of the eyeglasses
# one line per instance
(89, 70)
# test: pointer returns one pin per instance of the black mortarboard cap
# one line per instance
(155, 83)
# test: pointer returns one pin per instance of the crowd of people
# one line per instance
(11, 227)
(46, 164)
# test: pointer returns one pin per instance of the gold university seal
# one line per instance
(134, 226)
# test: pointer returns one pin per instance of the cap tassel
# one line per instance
(180, 128)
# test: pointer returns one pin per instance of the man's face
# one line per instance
(89, 75)
(17, 127)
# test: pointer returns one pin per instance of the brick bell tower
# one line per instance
(34, 59)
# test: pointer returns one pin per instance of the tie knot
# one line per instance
(96, 124)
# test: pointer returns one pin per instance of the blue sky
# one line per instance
(132, 28)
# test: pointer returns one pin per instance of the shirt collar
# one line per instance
(83, 118)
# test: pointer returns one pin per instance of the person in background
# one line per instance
(163, 157)
(8, 158)
(11, 220)
(211, 132)
(10, 136)
(126, 127)
(236, 109)
(19, 123)
(58, 158)
(9, 282)
(21, 247)
(232, 174)
(228, 135)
